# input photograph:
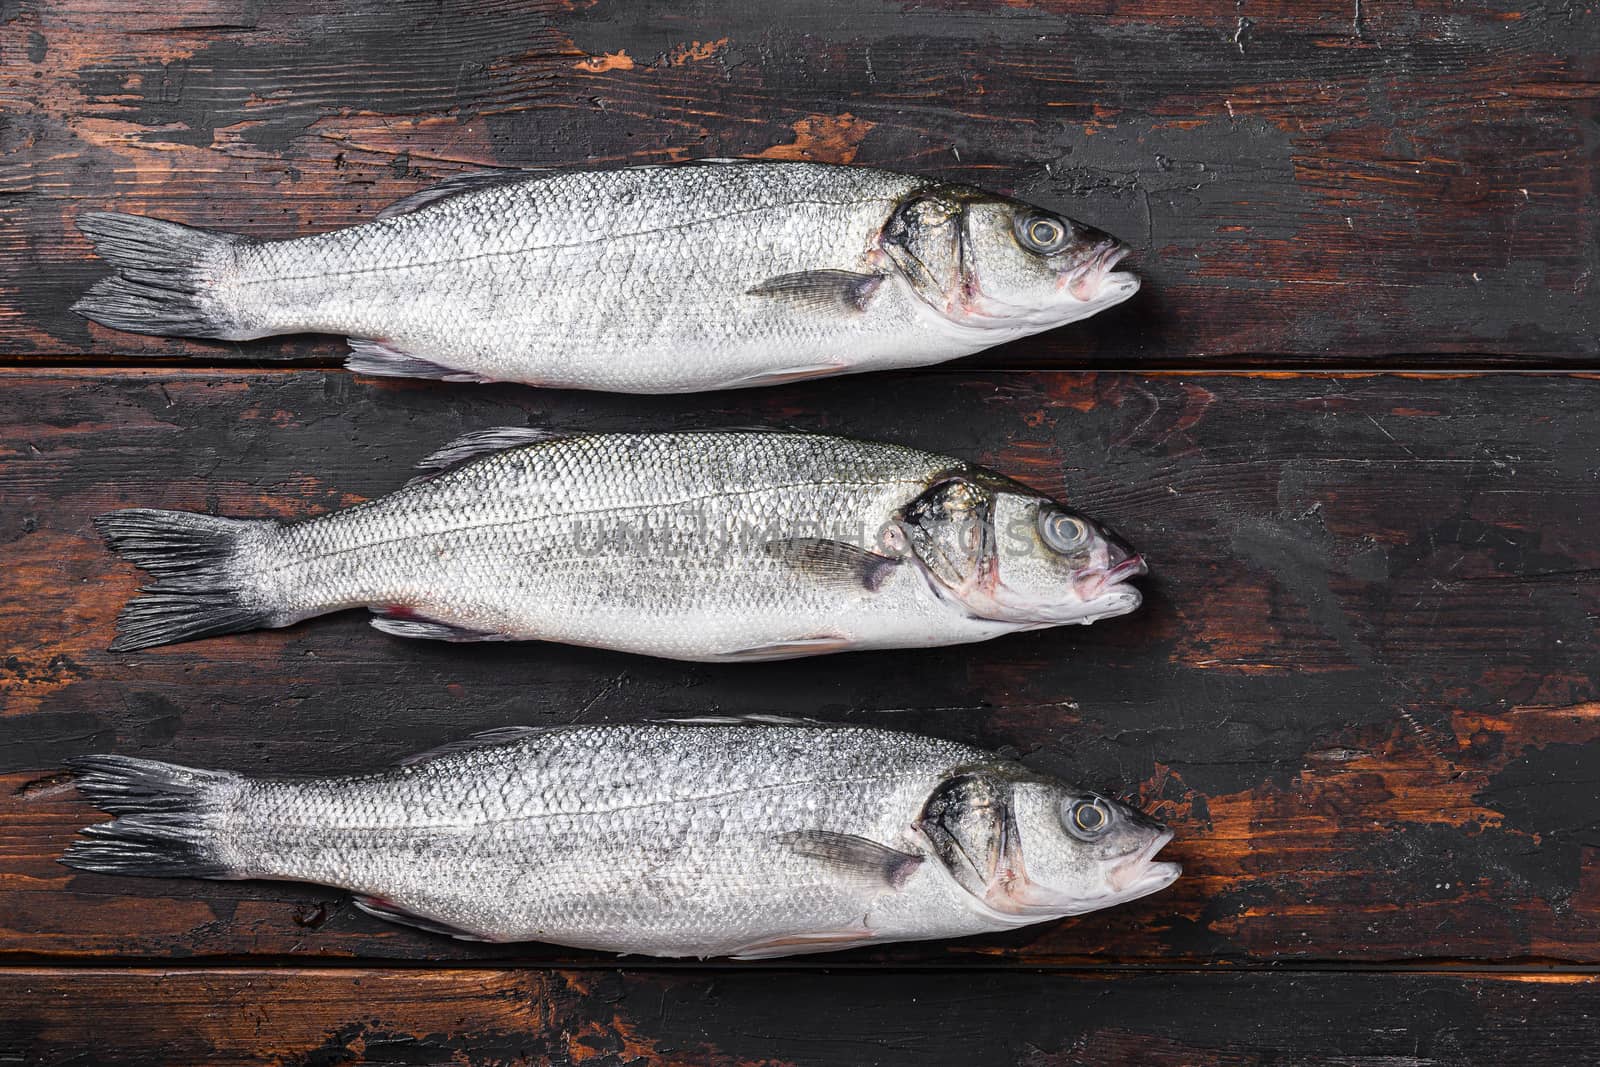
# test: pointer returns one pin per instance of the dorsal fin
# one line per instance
(741, 720)
(479, 443)
(471, 182)
(505, 735)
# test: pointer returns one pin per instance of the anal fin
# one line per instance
(389, 911)
(402, 622)
(807, 943)
(802, 646)
(787, 375)
(382, 361)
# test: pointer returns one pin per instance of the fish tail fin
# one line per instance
(167, 818)
(165, 276)
(204, 574)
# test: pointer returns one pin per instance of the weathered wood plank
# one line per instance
(1363, 687)
(728, 1018)
(1314, 182)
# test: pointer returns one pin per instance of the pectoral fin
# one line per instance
(822, 290)
(833, 563)
(855, 857)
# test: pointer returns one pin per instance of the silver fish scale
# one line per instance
(656, 838)
(644, 542)
(633, 280)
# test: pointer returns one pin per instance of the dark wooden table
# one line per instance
(1352, 419)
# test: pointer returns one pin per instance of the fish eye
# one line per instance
(1090, 818)
(1062, 532)
(1041, 234)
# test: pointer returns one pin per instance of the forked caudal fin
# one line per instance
(164, 276)
(202, 585)
(165, 818)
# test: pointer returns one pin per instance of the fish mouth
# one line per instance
(1142, 874)
(1091, 280)
(1090, 586)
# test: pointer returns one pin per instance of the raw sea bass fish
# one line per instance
(710, 838)
(717, 545)
(663, 279)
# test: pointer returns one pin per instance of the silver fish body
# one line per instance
(648, 279)
(716, 546)
(667, 839)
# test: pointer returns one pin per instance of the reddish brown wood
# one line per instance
(1312, 182)
(758, 1018)
(1363, 686)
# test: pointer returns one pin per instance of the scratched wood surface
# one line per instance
(1322, 182)
(729, 1018)
(1365, 688)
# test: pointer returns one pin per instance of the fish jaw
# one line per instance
(1101, 594)
(980, 320)
(1129, 879)
(1095, 583)
(1115, 287)
(1122, 600)
(1006, 323)
(1094, 281)
(1142, 874)
(1019, 901)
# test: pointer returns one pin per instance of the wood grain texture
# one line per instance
(1319, 182)
(1363, 688)
(320, 1018)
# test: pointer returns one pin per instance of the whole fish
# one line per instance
(710, 838)
(661, 279)
(716, 545)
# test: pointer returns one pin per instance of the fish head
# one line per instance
(1004, 552)
(1084, 851)
(990, 263)
(1028, 848)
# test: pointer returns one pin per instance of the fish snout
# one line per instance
(1122, 563)
(1142, 869)
(1085, 280)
